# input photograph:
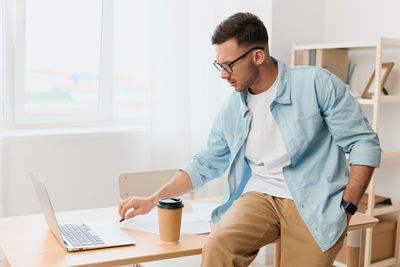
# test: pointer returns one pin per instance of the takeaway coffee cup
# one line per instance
(169, 219)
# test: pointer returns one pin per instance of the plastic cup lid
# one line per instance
(170, 203)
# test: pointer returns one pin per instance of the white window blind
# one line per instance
(132, 60)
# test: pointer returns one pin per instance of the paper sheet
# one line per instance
(196, 222)
(202, 211)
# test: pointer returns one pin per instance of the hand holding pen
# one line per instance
(137, 205)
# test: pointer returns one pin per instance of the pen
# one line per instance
(123, 219)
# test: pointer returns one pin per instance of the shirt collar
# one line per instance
(282, 91)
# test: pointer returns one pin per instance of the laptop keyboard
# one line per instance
(78, 235)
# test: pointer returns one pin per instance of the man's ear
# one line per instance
(258, 57)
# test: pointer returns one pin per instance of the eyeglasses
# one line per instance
(228, 67)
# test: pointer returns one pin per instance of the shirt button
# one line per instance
(230, 159)
(302, 206)
(316, 229)
(240, 137)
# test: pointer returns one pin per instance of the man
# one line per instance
(283, 134)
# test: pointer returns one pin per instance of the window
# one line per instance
(62, 56)
(80, 62)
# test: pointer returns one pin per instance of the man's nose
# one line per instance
(225, 74)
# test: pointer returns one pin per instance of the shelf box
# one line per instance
(334, 60)
(383, 237)
(385, 209)
(379, 201)
(383, 241)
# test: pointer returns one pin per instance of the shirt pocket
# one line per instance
(309, 128)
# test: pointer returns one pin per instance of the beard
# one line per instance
(249, 80)
(240, 88)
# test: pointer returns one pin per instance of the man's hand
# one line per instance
(360, 176)
(140, 205)
(179, 185)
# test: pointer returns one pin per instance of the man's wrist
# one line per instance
(154, 199)
(349, 207)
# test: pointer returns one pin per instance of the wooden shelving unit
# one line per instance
(378, 46)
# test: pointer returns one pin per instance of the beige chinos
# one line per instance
(256, 219)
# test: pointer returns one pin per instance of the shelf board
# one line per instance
(389, 98)
(385, 209)
(391, 155)
(390, 41)
(384, 263)
(382, 99)
(358, 45)
(364, 101)
(386, 42)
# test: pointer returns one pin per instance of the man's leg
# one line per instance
(249, 224)
(298, 247)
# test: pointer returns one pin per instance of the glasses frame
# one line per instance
(228, 67)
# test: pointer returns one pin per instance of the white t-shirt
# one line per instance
(265, 151)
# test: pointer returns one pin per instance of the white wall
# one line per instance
(295, 21)
(364, 20)
(80, 170)
(360, 20)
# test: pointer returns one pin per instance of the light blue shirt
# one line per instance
(319, 121)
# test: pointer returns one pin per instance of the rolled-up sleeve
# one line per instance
(212, 161)
(347, 124)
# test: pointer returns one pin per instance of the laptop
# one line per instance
(78, 236)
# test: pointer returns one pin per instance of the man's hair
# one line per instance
(245, 27)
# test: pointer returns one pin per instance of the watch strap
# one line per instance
(349, 207)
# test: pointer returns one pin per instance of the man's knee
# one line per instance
(214, 242)
(224, 241)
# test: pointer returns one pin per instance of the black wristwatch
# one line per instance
(349, 207)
